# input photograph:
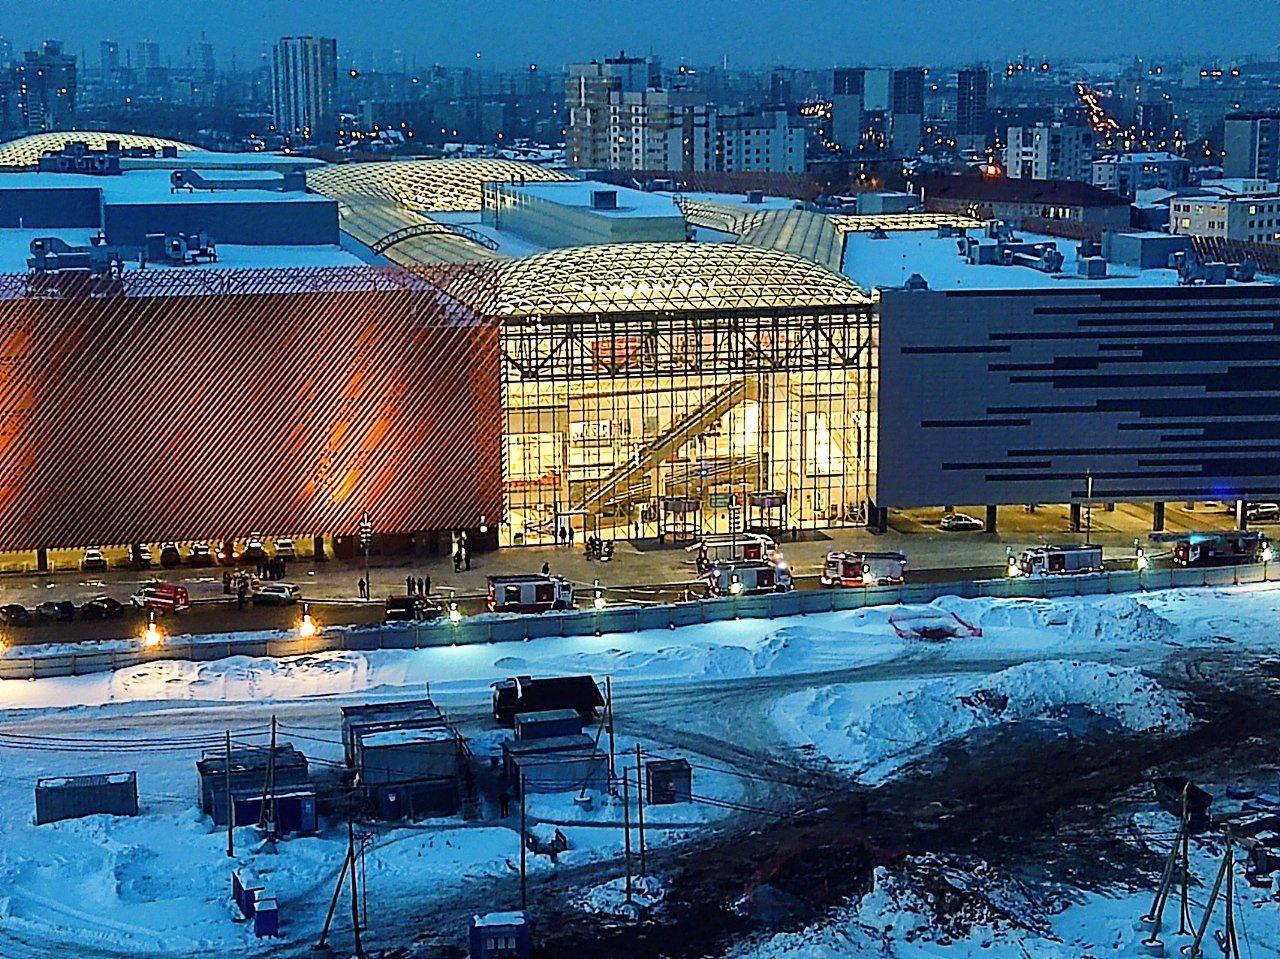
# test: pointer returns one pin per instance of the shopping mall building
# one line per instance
(499, 347)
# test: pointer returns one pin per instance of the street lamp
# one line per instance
(1011, 561)
(153, 636)
(735, 585)
(598, 593)
(306, 628)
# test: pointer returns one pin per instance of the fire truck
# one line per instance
(728, 547)
(863, 569)
(748, 576)
(1220, 549)
(530, 593)
(1060, 560)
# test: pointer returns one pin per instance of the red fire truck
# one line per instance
(863, 569)
(748, 576)
(1060, 560)
(1220, 549)
(529, 593)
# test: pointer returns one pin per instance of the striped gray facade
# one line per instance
(1017, 396)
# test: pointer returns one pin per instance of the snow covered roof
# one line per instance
(26, 151)
(426, 185)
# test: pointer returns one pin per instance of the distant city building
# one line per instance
(109, 58)
(877, 108)
(972, 116)
(764, 141)
(1052, 151)
(45, 82)
(304, 73)
(1251, 142)
(1023, 199)
(1127, 173)
(1248, 219)
(590, 90)
(661, 130)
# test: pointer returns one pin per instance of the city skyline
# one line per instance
(822, 33)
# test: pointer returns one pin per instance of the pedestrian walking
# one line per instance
(408, 585)
(571, 535)
(466, 559)
(426, 591)
(457, 562)
(504, 804)
(563, 536)
(546, 569)
(362, 588)
(421, 591)
(226, 581)
(241, 593)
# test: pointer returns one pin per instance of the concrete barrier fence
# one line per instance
(63, 659)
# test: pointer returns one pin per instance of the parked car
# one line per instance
(1262, 512)
(201, 555)
(15, 614)
(57, 610)
(285, 549)
(254, 550)
(102, 607)
(960, 523)
(405, 609)
(170, 555)
(94, 560)
(277, 594)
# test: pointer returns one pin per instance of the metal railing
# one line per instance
(36, 662)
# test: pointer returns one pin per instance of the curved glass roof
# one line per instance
(644, 277)
(448, 185)
(26, 151)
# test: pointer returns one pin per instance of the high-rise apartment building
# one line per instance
(1251, 142)
(1050, 151)
(45, 83)
(764, 141)
(589, 90)
(878, 108)
(972, 117)
(304, 73)
(661, 130)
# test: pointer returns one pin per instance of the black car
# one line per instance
(170, 555)
(102, 607)
(60, 611)
(15, 614)
(409, 609)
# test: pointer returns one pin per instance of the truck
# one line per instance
(863, 569)
(735, 547)
(1219, 549)
(162, 598)
(1060, 560)
(529, 593)
(748, 576)
(524, 694)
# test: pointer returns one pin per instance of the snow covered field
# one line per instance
(157, 884)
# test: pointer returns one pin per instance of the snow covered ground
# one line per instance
(157, 884)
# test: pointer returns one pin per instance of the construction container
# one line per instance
(501, 935)
(249, 766)
(562, 772)
(74, 797)
(369, 717)
(547, 723)
(535, 747)
(295, 808)
(425, 798)
(405, 755)
(524, 694)
(668, 781)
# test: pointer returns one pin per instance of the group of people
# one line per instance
(461, 552)
(271, 568)
(420, 586)
(239, 582)
(564, 535)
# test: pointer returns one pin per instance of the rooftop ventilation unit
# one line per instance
(604, 199)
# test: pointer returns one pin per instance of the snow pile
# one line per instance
(242, 678)
(876, 737)
(1110, 618)
(610, 898)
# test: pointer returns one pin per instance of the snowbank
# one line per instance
(875, 737)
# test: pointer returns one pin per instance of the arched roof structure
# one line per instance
(26, 151)
(449, 185)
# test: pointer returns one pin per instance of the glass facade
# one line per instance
(679, 423)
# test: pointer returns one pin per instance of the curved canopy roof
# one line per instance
(645, 277)
(26, 151)
(449, 185)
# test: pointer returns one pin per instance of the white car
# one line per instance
(1262, 512)
(93, 559)
(285, 549)
(277, 594)
(960, 523)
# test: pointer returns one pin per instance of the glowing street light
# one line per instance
(735, 585)
(153, 636)
(306, 628)
(598, 593)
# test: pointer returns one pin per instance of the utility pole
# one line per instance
(267, 808)
(231, 808)
(1088, 508)
(608, 709)
(322, 945)
(644, 870)
(626, 828)
(355, 891)
(366, 540)
(524, 843)
(1230, 947)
